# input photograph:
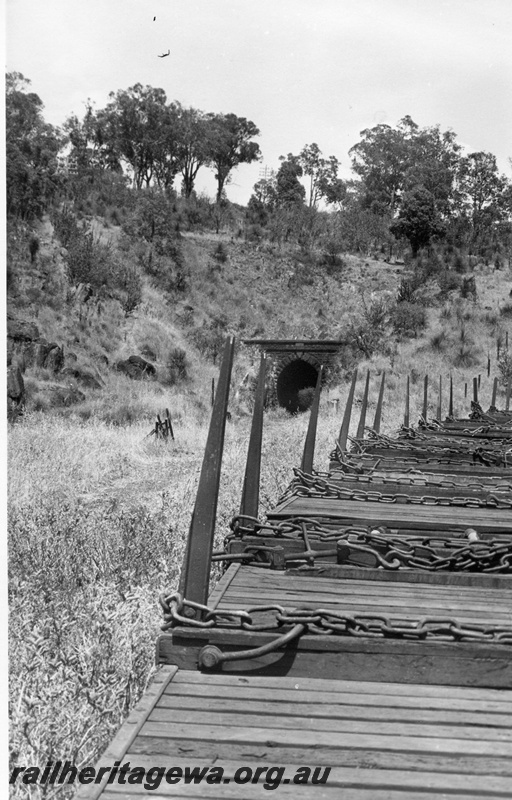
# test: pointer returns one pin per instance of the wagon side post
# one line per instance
(249, 505)
(407, 403)
(425, 398)
(364, 405)
(343, 437)
(309, 445)
(196, 569)
(378, 410)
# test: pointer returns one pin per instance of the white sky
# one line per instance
(302, 70)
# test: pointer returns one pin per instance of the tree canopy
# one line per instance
(32, 147)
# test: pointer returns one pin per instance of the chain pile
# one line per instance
(304, 485)
(389, 552)
(328, 621)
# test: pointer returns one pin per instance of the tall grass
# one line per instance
(98, 518)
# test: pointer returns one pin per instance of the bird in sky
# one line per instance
(164, 55)
(154, 18)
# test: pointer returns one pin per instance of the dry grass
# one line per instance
(98, 519)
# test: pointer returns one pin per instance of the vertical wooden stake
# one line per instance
(213, 391)
(343, 437)
(425, 397)
(169, 423)
(475, 390)
(494, 394)
(378, 410)
(479, 380)
(509, 382)
(364, 405)
(450, 405)
(249, 505)
(465, 390)
(196, 568)
(506, 340)
(407, 401)
(488, 365)
(439, 399)
(309, 445)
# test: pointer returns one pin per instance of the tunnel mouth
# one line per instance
(293, 380)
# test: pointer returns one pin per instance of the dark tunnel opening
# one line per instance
(292, 380)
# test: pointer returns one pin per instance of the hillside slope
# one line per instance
(207, 285)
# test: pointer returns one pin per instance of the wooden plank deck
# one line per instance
(382, 741)
(395, 515)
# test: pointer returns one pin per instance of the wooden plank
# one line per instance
(357, 757)
(327, 739)
(475, 720)
(397, 602)
(345, 778)
(257, 577)
(320, 690)
(205, 716)
(222, 585)
(404, 601)
(396, 608)
(254, 576)
(129, 730)
(460, 579)
(250, 790)
(392, 515)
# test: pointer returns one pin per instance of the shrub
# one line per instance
(460, 264)
(468, 288)
(131, 284)
(448, 281)
(438, 341)
(220, 253)
(305, 398)
(408, 319)
(467, 352)
(177, 365)
(506, 310)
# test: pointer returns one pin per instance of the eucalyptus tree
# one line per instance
(193, 149)
(230, 144)
(485, 194)
(32, 147)
(323, 176)
(142, 129)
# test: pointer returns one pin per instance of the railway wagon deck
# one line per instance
(359, 643)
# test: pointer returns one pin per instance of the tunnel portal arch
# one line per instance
(294, 368)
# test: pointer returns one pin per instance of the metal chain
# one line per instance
(305, 485)
(331, 622)
(429, 553)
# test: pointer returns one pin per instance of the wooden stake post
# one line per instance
(309, 446)
(196, 571)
